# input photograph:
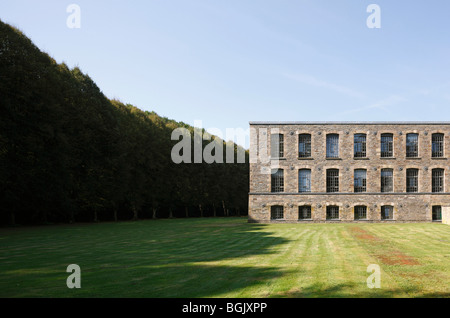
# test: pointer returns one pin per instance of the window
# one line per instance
(276, 212)
(332, 180)
(277, 180)
(437, 180)
(387, 212)
(332, 213)
(412, 145)
(304, 212)
(333, 146)
(387, 180)
(360, 180)
(304, 146)
(360, 212)
(437, 213)
(412, 180)
(437, 146)
(387, 145)
(304, 180)
(360, 146)
(277, 146)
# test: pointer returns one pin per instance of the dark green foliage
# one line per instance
(67, 153)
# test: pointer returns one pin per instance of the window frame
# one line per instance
(275, 212)
(332, 181)
(411, 175)
(360, 212)
(308, 212)
(277, 181)
(277, 146)
(440, 153)
(363, 179)
(307, 180)
(383, 180)
(389, 144)
(331, 212)
(332, 146)
(390, 213)
(307, 153)
(437, 186)
(412, 146)
(361, 143)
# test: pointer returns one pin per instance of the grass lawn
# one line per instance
(225, 257)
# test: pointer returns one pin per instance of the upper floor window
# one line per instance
(412, 180)
(387, 180)
(304, 180)
(437, 180)
(360, 146)
(360, 182)
(277, 180)
(332, 180)
(412, 145)
(437, 145)
(277, 145)
(387, 145)
(304, 146)
(332, 146)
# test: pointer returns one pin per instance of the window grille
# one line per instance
(437, 182)
(276, 212)
(304, 146)
(332, 180)
(360, 184)
(278, 180)
(387, 212)
(332, 146)
(387, 180)
(304, 180)
(277, 146)
(437, 147)
(387, 145)
(412, 180)
(360, 212)
(304, 212)
(360, 146)
(437, 213)
(332, 213)
(412, 145)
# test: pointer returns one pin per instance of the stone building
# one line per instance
(348, 172)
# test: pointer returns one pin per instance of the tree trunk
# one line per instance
(170, 213)
(115, 214)
(135, 213)
(201, 210)
(224, 210)
(154, 213)
(13, 219)
(187, 211)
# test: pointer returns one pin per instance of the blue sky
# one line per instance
(230, 62)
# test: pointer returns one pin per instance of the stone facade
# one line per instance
(406, 206)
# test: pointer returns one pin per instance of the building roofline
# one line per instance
(349, 123)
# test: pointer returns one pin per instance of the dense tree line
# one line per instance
(69, 154)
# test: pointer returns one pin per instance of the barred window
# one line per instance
(360, 212)
(387, 212)
(304, 146)
(437, 180)
(332, 180)
(333, 146)
(437, 146)
(304, 180)
(276, 212)
(360, 180)
(304, 212)
(277, 145)
(278, 180)
(360, 146)
(412, 180)
(332, 212)
(437, 213)
(412, 145)
(387, 180)
(387, 145)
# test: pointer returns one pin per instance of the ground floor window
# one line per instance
(360, 212)
(437, 213)
(387, 212)
(277, 212)
(332, 213)
(304, 212)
